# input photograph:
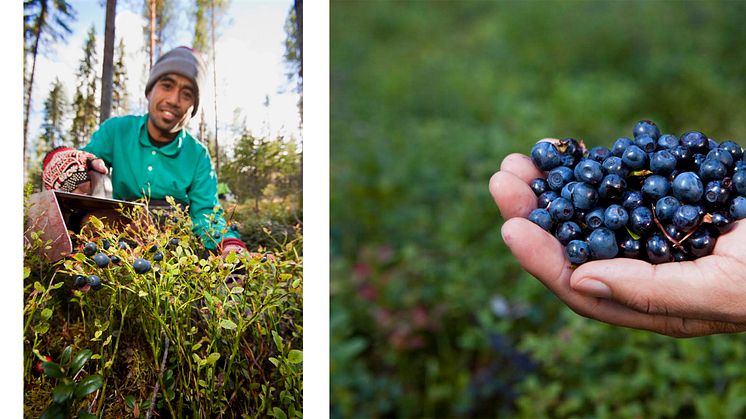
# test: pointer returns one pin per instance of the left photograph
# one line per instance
(163, 224)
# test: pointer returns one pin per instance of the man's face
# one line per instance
(170, 105)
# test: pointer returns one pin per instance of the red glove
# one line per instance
(66, 168)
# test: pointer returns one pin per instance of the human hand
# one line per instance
(682, 299)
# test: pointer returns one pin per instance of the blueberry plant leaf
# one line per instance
(63, 392)
(88, 385)
(52, 369)
(54, 411)
(227, 324)
(295, 356)
(65, 358)
(80, 359)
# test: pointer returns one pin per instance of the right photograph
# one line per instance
(536, 209)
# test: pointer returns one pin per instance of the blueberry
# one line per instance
(599, 154)
(722, 220)
(658, 249)
(561, 209)
(646, 143)
(631, 199)
(663, 162)
(612, 187)
(683, 155)
(567, 190)
(153, 248)
(666, 207)
(101, 260)
(695, 141)
(668, 141)
(687, 218)
(141, 265)
(568, 231)
(738, 182)
(717, 193)
(640, 220)
(541, 217)
(615, 217)
(158, 256)
(122, 244)
(602, 243)
(712, 169)
(115, 259)
(105, 244)
(79, 281)
(723, 156)
(698, 159)
(615, 165)
(630, 248)
(559, 177)
(655, 187)
(545, 156)
(264, 259)
(617, 149)
(634, 157)
(570, 151)
(94, 281)
(674, 233)
(577, 252)
(584, 196)
(90, 249)
(545, 198)
(738, 207)
(589, 171)
(712, 144)
(175, 241)
(687, 187)
(740, 166)
(646, 127)
(594, 218)
(702, 241)
(733, 148)
(538, 185)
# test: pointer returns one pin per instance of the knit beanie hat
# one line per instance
(183, 61)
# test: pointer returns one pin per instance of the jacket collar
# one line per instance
(171, 149)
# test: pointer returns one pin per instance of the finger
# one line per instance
(543, 257)
(99, 166)
(521, 166)
(710, 288)
(513, 197)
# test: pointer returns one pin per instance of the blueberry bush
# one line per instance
(430, 314)
(164, 326)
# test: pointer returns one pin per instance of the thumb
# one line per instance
(701, 289)
(99, 166)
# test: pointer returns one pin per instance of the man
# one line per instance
(153, 155)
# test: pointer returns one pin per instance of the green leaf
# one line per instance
(88, 385)
(79, 257)
(39, 287)
(278, 340)
(227, 324)
(236, 290)
(196, 346)
(295, 356)
(54, 411)
(274, 361)
(80, 359)
(130, 401)
(57, 285)
(631, 234)
(46, 314)
(26, 272)
(213, 358)
(278, 413)
(96, 222)
(63, 392)
(52, 369)
(65, 357)
(231, 258)
(142, 294)
(42, 328)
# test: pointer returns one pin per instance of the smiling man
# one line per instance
(153, 155)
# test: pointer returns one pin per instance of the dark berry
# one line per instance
(723, 156)
(105, 243)
(546, 198)
(615, 217)
(122, 244)
(722, 220)
(545, 156)
(687, 218)
(101, 260)
(612, 187)
(668, 141)
(90, 249)
(584, 196)
(717, 193)
(687, 187)
(153, 248)
(538, 185)
(158, 256)
(695, 141)
(646, 143)
(115, 259)
(663, 162)
(617, 149)
(79, 281)
(666, 207)
(173, 242)
(701, 242)
(595, 218)
(712, 169)
(655, 187)
(733, 148)
(567, 190)
(589, 171)
(94, 281)
(738, 182)
(646, 127)
(599, 154)
(559, 177)
(561, 210)
(640, 220)
(630, 247)
(602, 243)
(658, 249)
(577, 252)
(141, 265)
(615, 165)
(568, 231)
(541, 217)
(738, 208)
(631, 199)
(634, 157)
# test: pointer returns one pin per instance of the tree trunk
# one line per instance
(34, 52)
(108, 69)
(214, 84)
(202, 126)
(152, 31)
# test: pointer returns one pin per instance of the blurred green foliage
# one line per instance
(430, 314)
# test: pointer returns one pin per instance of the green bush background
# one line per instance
(430, 314)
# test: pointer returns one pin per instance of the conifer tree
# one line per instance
(84, 104)
(55, 109)
(119, 95)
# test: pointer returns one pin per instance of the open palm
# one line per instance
(679, 299)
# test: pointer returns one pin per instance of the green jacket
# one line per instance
(182, 169)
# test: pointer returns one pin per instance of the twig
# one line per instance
(158, 382)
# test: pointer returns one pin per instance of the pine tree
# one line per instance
(85, 106)
(119, 95)
(55, 108)
(159, 14)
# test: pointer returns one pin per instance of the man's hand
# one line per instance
(679, 299)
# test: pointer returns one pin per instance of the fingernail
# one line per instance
(593, 288)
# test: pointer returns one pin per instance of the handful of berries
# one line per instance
(659, 198)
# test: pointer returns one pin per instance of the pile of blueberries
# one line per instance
(659, 198)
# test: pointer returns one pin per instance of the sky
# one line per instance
(249, 55)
